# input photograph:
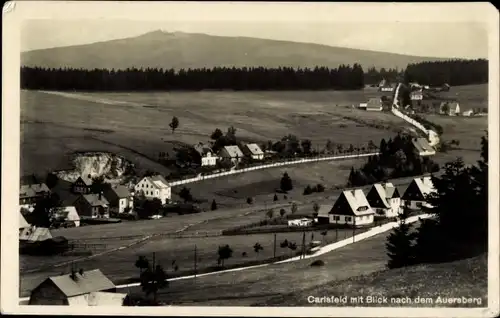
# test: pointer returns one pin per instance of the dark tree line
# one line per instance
(397, 159)
(374, 76)
(460, 226)
(345, 77)
(452, 72)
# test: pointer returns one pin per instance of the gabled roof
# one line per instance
(34, 233)
(355, 200)
(422, 145)
(86, 179)
(69, 213)
(324, 210)
(383, 191)
(425, 185)
(159, 181)
(374, 103)
(90, 281)
(381, 195)
(116, 192)
(32, 190)
(22, 222)
(106, 299)
(234, 151)
(93, 199)
(254, 149)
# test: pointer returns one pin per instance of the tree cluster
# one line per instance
(344, 77)
(453, 72)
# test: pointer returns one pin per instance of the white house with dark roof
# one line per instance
(207, 157)
(83, 288)
(154, 187)
(351, 208)
(67, 215)
(82, 184)
(423, 147)
(384, 199)
(253, 151)
(232, 154)
(374, 104)
(120, 198)
(415, 195)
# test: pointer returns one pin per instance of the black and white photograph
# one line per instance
(245, 159)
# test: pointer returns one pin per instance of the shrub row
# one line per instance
(318, 188)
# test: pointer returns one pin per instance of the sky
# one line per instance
(460, 37)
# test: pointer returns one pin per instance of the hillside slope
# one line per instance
(189, 50)
(433, 282)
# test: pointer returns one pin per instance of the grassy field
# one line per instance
(135, 125)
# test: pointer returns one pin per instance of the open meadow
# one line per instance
(135, 125)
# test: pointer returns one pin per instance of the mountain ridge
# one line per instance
(161, 49)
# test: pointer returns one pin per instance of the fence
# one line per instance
(272, 165)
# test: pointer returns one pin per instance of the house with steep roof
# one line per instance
(450, 108)
(82, 184)
(253, 151)
(352, 208)
(92, 205)
(416, 95)
(384, 199)
(415, 195)
(385, 86)
(154, 187)
(206, 155)
(82, 288)
(374, 104)
(28, 194)
(34, 234)
(423, 147)
(120, 198)
(231, 154)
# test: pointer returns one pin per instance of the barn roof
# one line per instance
(234, 151)
(90, 281)
(254, 149)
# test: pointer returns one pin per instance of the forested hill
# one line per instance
(190, 50)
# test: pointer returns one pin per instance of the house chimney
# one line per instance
(100, 195)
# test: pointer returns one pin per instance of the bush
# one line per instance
(275, 197)
(318, 263)
(320, 188)
(308, 190)
(250, 200)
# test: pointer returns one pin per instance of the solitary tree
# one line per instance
(400, 244)
(141, 263)
(324, 233)
(224, 252)
(214, 205)
(294, 208)
(98, 185)
(286, 183)
(275, 197)
(154, 280)
(316, 209)
(216, 134)
(185, 194)
(257, 248)
(270, 213)
(282, 212)
(174, 124)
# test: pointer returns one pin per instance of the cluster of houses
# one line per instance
(354, 208)
(229, 154)
(78, 288)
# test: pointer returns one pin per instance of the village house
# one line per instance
(231, 154)
(120, 199)
(253, 151)
(67, 216)
(363, 106)
(92, 206)
(415, 195)
(82, 184)
(154, 187)
(207, 157)
(449, 108)
(34, 234)
(303, 222)
(423, 147)
(83, 288)
(374, 104)
(29, 194)
(384, 199)
(417, 95)
(385, 86)
(468, 113)
(352, 208)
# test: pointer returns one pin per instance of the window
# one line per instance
(348, 219)
(157, 192)
(362, 208)
(419, 204)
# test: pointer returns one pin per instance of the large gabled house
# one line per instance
(92, 205)
(206, 155)
(415, 195)
(67, 216)
(384, 199)
(82, 288)
(352, 208)
(120, 198)
(374, 104)
(82, 184)
(154, 187)
(232, 154)
(30, 193)
(423, 147)
(253, 151)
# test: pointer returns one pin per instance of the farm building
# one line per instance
(385, 86)
(83, 288)
(23, 224)
(154, 187)
(231, 154)
(374, 104)
(82, 185)
(206, 156)
(423, 147)
(67, 216)
(352, 208)
(253, 151)
(449, 108)
(323, 214)
(120, 199)
(92, 205)
(28, 194)
(417, 95)
(384, 199)
(300, 222)
(363, 106)
(34, 234)
(418, 189)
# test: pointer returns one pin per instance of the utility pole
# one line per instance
(274, 251)
(303, 244)
(195, 260)
(353, 229)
